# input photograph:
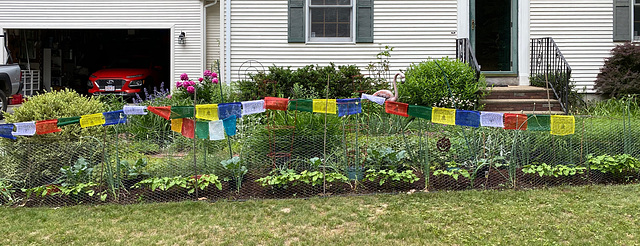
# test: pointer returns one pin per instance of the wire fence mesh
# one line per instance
(292, 157)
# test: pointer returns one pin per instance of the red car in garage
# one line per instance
(123, 80)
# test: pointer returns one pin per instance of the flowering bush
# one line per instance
(205, 89)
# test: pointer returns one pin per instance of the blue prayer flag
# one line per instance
(226, 110)
(5, 131)
(230, 125)
(114, 117)
(349, 106)
(468, 118)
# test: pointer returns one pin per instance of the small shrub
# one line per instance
(279, 81)
(620, 74)
(425, 84)
(613, 164)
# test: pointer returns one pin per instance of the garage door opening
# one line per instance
(65, 58)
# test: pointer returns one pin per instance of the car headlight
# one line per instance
(89, 84)
(136, 83)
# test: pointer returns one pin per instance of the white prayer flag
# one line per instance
(135, 110)
(216, 130)
(375, 99)
(492, 119)
(24, 129)
(253, 107)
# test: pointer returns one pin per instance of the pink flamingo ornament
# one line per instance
(390, 96)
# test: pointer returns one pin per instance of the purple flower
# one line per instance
(207, 73)
(191, 89)
(179, 84)
(184, 77)
(200, 79)
(214, 80)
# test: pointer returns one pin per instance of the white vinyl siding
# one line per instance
(583, 30)
(418, 30)
(181, 15)
(213, 38)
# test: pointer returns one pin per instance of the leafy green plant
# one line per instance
(75, 191)
(134, 170)
(383, 176)
(545, 169)
(453, 171)
(79, 172)
(425, 84)
(6, 192)
(238, 170)
(189, 183)
(381, 68)
(620, 74)
(385, 157)
(289, 177)
(613, 164)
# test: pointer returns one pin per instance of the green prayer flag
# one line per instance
(68, 121)
(305, 105)
(419, 111)
(539, 122)
(202, 129)
(178, 112)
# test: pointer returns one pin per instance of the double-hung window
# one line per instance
(330, 21)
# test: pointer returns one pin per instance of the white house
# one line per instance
(251, 34)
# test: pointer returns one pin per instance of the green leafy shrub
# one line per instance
(613, 164)
(620, 74)
(545, 169)
(383, 176)
(425, 84)
(279, 81)
(37, 159)
(189, 183)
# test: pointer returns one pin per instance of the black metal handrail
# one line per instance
(549, 67)
(464, 53)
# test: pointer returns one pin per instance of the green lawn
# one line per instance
(589, 215)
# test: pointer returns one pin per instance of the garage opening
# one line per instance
(65, 58)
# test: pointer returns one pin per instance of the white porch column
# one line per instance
(463, 19)
(523, 41)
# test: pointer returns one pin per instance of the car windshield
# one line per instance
(131, 63)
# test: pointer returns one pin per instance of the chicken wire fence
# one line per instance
(392, 154)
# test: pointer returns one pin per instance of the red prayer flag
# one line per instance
(188, 127)
(164, 112)
(276, 103)
(47, 126)
(515, 121)
(396, 108)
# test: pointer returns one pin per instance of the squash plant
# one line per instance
(613, 164)
(545, 169)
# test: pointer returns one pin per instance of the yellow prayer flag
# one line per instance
(563, 125)
(92, 120)
(325, 105)
(176, 125)
(207, 112)
(445, 116)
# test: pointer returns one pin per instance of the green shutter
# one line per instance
(296, 21)
(364, 21)
(622, 20)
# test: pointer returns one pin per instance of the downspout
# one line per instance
(204, 32)
(227, 43)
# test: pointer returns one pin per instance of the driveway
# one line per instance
(10, 109)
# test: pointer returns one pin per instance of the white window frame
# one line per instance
(349, 40)
(635, 34)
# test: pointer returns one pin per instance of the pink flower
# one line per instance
(178, 84)
(191, 83)
(191, 89)
(169, 96)
(215, 75)
(200, 79)
(184, 77)
(207, 73)
(214, 80)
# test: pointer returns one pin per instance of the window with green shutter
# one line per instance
(636, 21)
(330, 21)
(622, 20)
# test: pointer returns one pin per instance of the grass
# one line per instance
(593, 215)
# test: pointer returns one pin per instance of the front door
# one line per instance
(493, 35)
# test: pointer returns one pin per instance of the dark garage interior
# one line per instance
(64, 58)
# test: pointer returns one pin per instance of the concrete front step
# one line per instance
(519, 92)
(502, 105)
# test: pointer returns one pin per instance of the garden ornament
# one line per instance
(390, 96)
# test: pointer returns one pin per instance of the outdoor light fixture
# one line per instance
(181, 38)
